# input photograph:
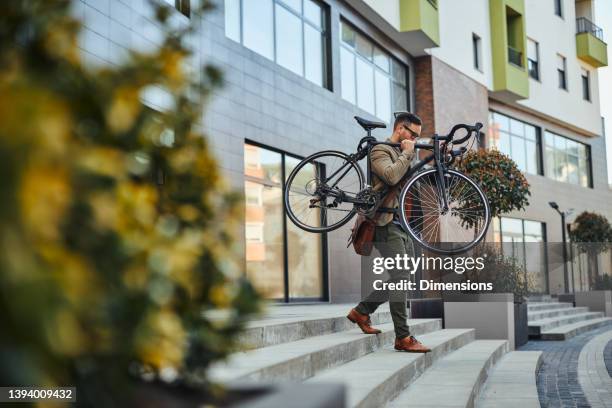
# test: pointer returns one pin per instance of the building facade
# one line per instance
(298, 71)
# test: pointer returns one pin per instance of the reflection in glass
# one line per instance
(264, 230)
(518, 152)
(289, 40)
(383, 95)
(347, 69)
(258, 27)
(364, 47)
(312, 12)
(264, 240)
(365, 86)
(296, 5)
(232, 19)
(381, 59)
(313, 54)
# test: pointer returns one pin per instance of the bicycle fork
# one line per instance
(441, 184)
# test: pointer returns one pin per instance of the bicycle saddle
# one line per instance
(368, 124)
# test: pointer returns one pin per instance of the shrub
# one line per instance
(116, 230)
(503, 183)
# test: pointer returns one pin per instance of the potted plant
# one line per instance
(592, 235)
(504, 184)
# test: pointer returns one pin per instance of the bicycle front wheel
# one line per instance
(455, 228)
(319, 190)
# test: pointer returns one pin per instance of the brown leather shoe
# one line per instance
(363, 321)
(411, 345)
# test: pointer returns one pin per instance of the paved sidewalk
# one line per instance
(558, 383)
(592, 373)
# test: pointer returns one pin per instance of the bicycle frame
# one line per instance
(437, 157)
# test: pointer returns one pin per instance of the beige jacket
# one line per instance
(389, 164)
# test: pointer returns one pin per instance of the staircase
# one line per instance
(297, 344)
(552, 320)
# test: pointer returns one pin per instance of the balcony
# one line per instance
(590, 46)
(515, 56)
(413, 24)
(508, 44)
(420, 16)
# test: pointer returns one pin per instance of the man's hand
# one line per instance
(407, 145)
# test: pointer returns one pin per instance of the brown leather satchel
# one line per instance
(362, 233)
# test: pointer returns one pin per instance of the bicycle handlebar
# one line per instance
(470, 129)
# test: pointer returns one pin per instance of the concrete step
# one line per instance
(536, 307)
(538, 326)
(512, 383)
(283, 324)
(541, 298)
(545, 314)
(456, 379)
(570, 330)
(304, 358)
(373, 380)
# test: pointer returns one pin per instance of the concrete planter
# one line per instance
(492, 315)
(248, 395)
(596, 301)
(567, 298)
(521, 324)
(432, 308)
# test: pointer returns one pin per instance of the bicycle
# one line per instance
(444, 210)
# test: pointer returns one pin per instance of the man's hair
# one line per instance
(406, 118)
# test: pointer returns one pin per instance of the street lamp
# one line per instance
(563, 214)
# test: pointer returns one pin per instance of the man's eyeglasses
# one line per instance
(412, 132)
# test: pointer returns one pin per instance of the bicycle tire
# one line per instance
(290, 180)
(411, 230)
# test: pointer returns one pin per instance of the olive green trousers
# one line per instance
(391, 240)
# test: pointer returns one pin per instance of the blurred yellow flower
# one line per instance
(65, 334)
(124, 109)
(161, 340)
(44, 196)
(105, 161)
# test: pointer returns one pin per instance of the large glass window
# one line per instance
(282, 261)
(567, 160)
(289, 32)
(519, 140)
(524, 241)
(370, 77)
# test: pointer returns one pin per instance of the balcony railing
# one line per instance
(515, 56)
(584, 25)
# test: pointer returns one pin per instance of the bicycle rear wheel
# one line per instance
(317, 190)
(451, 231)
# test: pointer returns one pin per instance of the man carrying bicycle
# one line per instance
(389, 165)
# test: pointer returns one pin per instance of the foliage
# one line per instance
(603, 282)
(592, 233)
(103, 268)
(506, 273)
(503, 183)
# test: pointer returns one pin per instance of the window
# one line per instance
(519, 140)
(290, 32)
(514, 32)
(586, 85)
(370, 77)
(533, 59)
(559, 8)
(524, 241)
(181, 5)
(567, 160)
(281, 261)
(561, 71)
(477, 50)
